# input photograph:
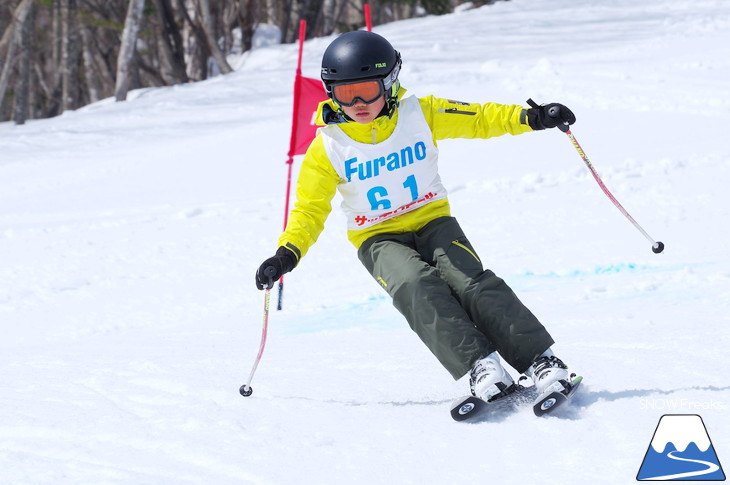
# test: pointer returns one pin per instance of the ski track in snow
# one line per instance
(130, 232)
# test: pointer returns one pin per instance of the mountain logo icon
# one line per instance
(681, 450)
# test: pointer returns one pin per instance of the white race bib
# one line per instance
(390, 178)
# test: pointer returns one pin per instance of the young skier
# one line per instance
(379, 150)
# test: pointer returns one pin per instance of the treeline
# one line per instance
(58, 55)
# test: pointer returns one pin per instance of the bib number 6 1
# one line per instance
(378, 195)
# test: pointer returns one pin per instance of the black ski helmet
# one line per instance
(361, 55)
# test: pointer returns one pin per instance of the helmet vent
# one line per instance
(364, 68)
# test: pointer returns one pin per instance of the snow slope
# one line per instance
(130, 232)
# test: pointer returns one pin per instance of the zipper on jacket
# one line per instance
(462, 246)
(375, 136)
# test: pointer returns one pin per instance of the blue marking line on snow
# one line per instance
(598, 270)
(375, 312)
(614, 268)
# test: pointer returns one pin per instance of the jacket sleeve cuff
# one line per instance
(291, 252)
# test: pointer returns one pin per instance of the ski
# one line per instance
(472, 408)
(556, 395)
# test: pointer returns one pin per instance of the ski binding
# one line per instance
(556, 395)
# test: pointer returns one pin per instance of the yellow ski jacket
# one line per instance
(318, 180)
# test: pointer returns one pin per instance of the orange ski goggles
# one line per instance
(366, 91)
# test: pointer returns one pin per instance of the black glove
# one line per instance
(273, 268)
(549, 116)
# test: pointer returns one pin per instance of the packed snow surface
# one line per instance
(130, 233)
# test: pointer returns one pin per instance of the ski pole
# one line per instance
(246, 389)
(656, 246)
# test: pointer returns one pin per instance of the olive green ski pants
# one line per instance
(459, 310)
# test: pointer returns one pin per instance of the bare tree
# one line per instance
(248, 18)
(69, 54)
(128, 47)
(56, 36)
(328, 16)
(210, 37)
(196, 45)
(91, 74)
(22, 95)
(273, 12)
(9, 42)
(172, 57)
